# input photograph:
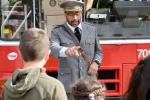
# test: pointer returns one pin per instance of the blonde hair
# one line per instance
(34, 44)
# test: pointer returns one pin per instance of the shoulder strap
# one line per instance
(75, 40)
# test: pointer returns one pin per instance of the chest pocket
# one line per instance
(67, 43)
(89, 42)
(90, 46)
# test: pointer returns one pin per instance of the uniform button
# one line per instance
(80, 61)
(61, 73)
(80, 54)
(80, 68)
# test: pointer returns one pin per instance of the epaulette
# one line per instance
(57, 26)
(87, 23)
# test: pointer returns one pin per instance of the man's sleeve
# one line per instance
(98, 49)
(56, 49)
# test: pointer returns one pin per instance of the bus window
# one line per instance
(121, 19)
(101, 4)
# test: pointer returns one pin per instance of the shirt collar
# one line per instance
(72, 28)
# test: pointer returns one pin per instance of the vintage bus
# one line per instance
(123, 29)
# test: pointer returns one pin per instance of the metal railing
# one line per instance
(16, 32)
(24, 21)
(8, 16)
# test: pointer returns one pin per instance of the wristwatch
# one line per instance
(97, 62)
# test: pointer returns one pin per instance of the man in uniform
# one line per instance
(73, 65)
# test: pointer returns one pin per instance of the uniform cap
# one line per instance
(72, 5)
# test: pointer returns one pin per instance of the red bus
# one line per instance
(124, 32)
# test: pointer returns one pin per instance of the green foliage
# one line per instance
(12, 2)
(0, 13)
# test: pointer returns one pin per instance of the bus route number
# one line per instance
(142, 53)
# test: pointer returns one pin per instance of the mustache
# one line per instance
(75, 21)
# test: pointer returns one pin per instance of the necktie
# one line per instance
(78, 33)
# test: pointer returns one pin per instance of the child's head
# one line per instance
(87, 89)
(139, 84)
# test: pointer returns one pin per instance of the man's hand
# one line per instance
(93, 68)
(73, 51)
